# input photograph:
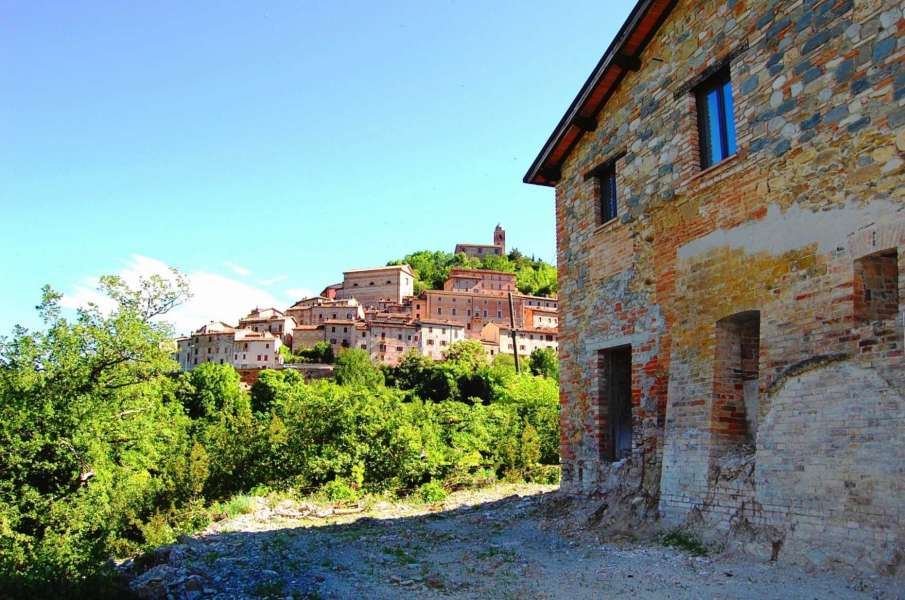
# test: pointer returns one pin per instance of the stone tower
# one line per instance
(499, 238)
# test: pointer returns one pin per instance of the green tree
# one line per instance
(93, 437)
(354, 367)
(210, 387)
(544, 362)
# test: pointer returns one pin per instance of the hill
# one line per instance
(533, 276)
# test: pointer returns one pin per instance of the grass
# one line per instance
(269, 589)
(684, 540)
(400, 555)
(239, 505)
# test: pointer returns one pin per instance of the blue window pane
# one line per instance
(713, 127)
(730, 118)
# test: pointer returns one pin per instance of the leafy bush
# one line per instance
(432, 492)
(431, 270)
(108, 450)
(544, 362)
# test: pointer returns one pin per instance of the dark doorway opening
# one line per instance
(615, 367)
(737, 377)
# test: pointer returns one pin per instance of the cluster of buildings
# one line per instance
(376, 310)
(730, 207)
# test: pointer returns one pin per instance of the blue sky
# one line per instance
(263, 148)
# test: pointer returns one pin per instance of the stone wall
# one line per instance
(806, 216)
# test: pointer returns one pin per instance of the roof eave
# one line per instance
(579, 117)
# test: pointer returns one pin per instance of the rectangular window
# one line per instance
(876, 287)
(716, 119)
(606, 193)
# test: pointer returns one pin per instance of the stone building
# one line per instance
(730, 225)
(435, 337)
(311, 312)
(480, 281)
(470, 309)
(497, 248)
(224, 344)
(390, 339)
(256, 350)
(271, 320)
(370, 286)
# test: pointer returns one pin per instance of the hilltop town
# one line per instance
(377, 310)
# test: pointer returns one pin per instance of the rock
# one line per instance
(194, 583)
(900, 140)
(153, 584)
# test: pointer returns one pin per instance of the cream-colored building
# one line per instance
(224, 344)
(306, 336)
(314, 311)
(211, 342)
(380, 284)
(256, 350)
(542, 318)
(480, 281)
(435, 337)
(270, 320)
(390, 339)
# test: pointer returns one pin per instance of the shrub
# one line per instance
(432, 492)
(239, 505)
(339, 491)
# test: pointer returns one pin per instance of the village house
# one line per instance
(527, 340)
(221, 343)
(497, 248)
(471, 309)
(271, 320)
(256, 350)
(480, 281)
(435, 337)
(306, 312)
(370, 286)
(306, 336)
(730, 218)
(390, 339)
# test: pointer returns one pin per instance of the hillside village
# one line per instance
(377, 310)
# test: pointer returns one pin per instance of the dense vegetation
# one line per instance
(532, 276)
(107, 450)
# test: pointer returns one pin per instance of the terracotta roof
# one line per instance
(214, 328)
(622, 56)
(246, 335)
(530, 330)
(478, 272)
(441, 323)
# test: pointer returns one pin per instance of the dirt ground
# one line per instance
(504, 542)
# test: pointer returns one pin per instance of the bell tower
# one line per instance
(499, 238)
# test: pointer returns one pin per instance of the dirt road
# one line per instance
(497, 543)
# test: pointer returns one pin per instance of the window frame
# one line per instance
(718, 83)
(606, 194)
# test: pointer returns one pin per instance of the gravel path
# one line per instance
(496, 543)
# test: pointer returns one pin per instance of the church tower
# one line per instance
(499, 238)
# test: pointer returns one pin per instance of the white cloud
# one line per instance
(273, 280)
(214, 297)
(237, 269)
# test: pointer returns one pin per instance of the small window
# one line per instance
(716, 119)
(606, 193)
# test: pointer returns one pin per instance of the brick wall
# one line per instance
(804, 226)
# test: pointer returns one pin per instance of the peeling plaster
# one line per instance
(797, 227)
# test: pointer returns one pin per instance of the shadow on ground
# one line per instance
(537, 545)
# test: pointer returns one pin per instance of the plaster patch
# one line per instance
(779, 232)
